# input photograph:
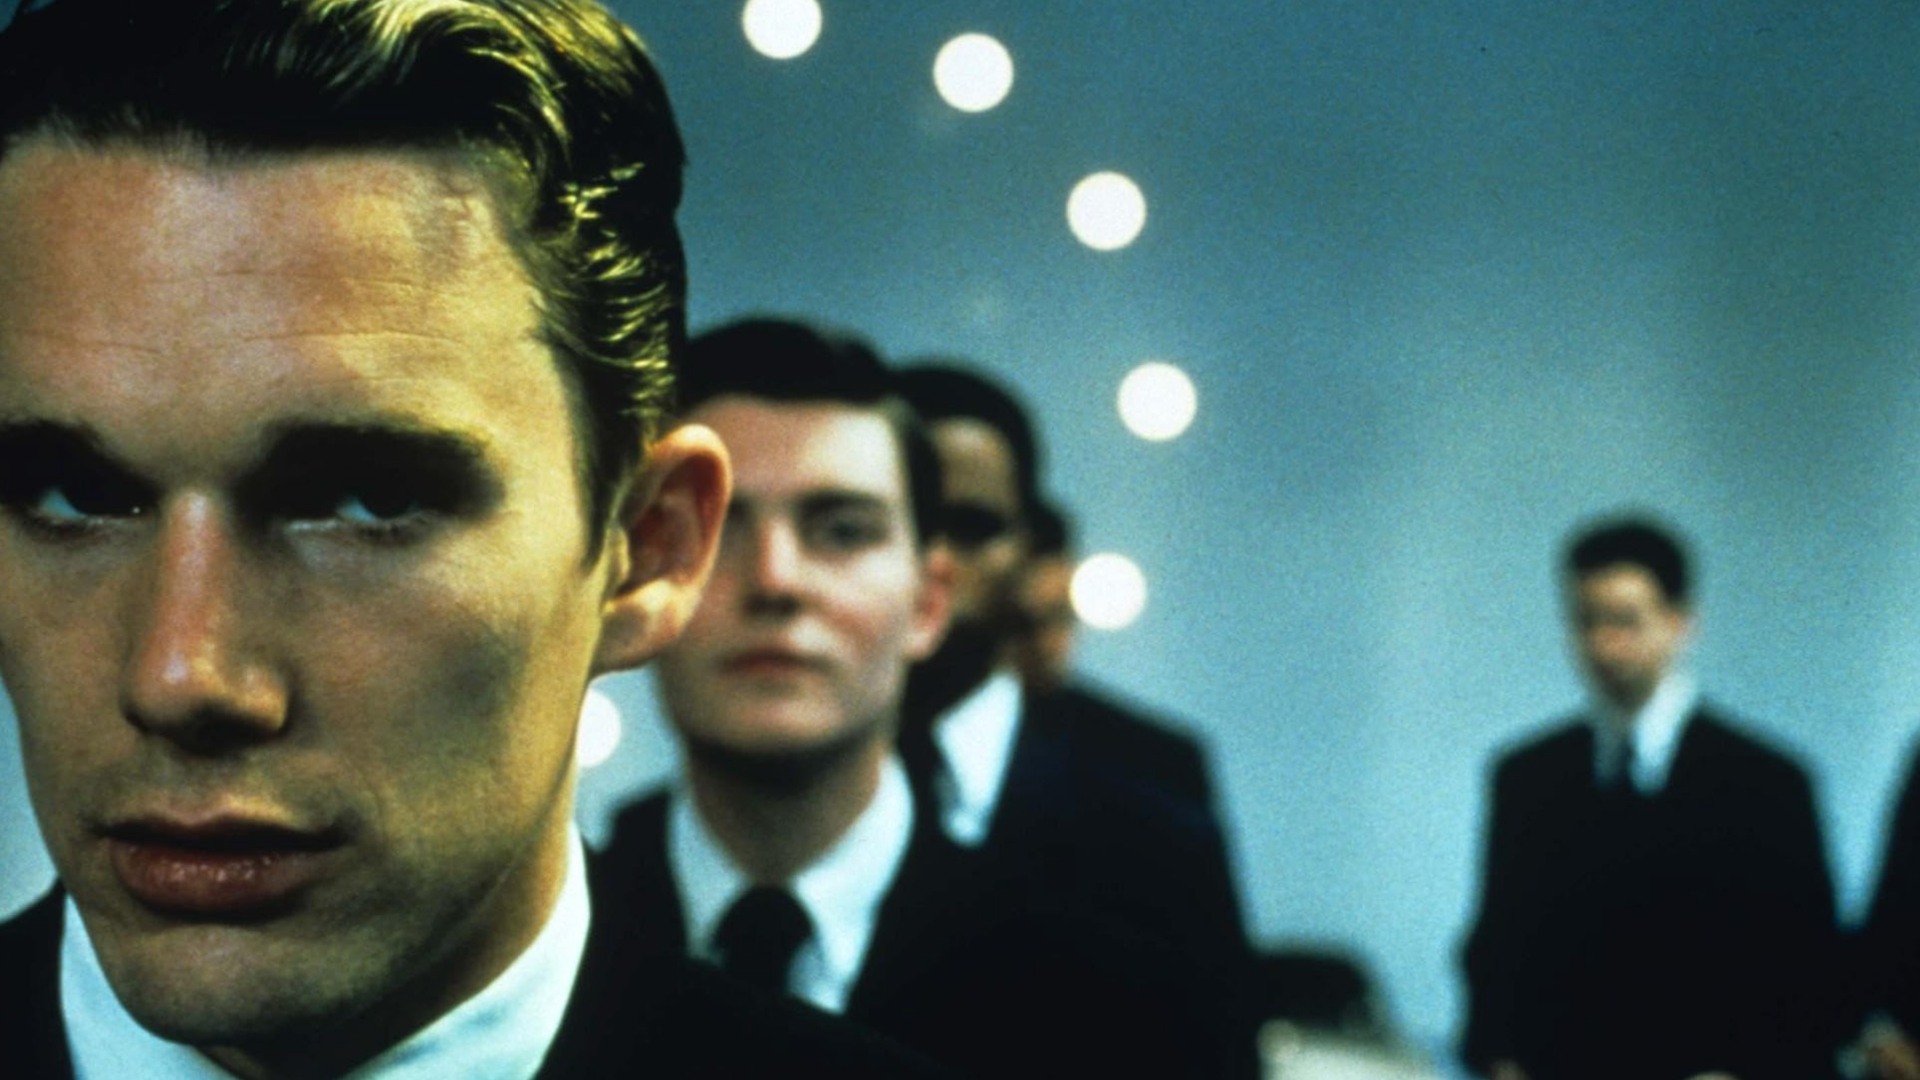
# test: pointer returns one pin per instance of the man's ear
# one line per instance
(933, 605)
(662, 543)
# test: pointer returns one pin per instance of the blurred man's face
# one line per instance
(1627, 633)
(295, 603)
(981, 488)
(819, 599)
(1045, 648)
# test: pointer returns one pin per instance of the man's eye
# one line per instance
(847, 533)
(375, 507)
(381, 508)
(78, 503)
(55, 507)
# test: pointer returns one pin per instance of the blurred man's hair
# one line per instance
(785, 360)
(941, 390)
(1632, 541)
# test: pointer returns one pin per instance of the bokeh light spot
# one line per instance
(973, 72)
(599, 730)
(1157, 401)
(1109, 592)
(1106, 211)
(781, 29)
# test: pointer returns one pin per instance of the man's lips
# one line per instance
(772, 662)
(217, 868)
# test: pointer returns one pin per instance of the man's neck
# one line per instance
(774, 832)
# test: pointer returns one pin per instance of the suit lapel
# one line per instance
(31, 1025)
(916, 914)
(637, 888)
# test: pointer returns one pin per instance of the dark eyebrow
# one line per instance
(22, 439)
(294, 444)
(29, 447)
(455, 463)
(835, 499)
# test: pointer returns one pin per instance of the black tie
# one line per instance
(760, 934)
(1620, 770)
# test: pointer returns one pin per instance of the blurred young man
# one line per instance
(1655, 900)
(791, 853)
(334, 350)
(1153, 750)
(1047, 804)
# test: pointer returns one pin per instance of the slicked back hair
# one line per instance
(554, 103)
(1633, 541)
(948, 390)
(785, 360)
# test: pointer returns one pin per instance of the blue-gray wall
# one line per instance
(1449, 277)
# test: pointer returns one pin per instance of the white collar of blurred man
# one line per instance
(1653, 731)
(786, 688)
(841, 889)
(501, 1032)
(976, 739)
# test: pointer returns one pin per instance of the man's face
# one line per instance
(819, 599)
(1045, 650)
(1627, 633)
(981, 488)
(295, 604)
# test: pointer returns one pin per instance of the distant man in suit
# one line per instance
(1655, 900)
(1007, 774)
(335, 345)
(1096, 722)
(1887, 950)
(790, 853)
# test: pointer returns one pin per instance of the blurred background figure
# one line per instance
(1005, 771)
(1655, 899)
(1043, 648)
(1887, 950)
(1326, 1020)
(1148, 749)
(790, 852)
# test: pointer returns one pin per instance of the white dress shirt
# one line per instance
(976, 737)
(841, 890)
(1655, 732)
(501, 1033)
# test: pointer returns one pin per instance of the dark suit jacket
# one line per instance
(1653, 937)
(630, 1016)
(1130, 742)
(1888, 949)
(1073, 825)
(983, 978)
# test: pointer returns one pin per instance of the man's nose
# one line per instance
(194, 675)
(778, 565)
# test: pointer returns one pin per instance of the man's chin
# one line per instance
(782, 764)
(213, 985)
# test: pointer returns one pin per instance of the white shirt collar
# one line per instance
(501, 1033)
(841, 890)
(976, 737)
(1655, 730)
